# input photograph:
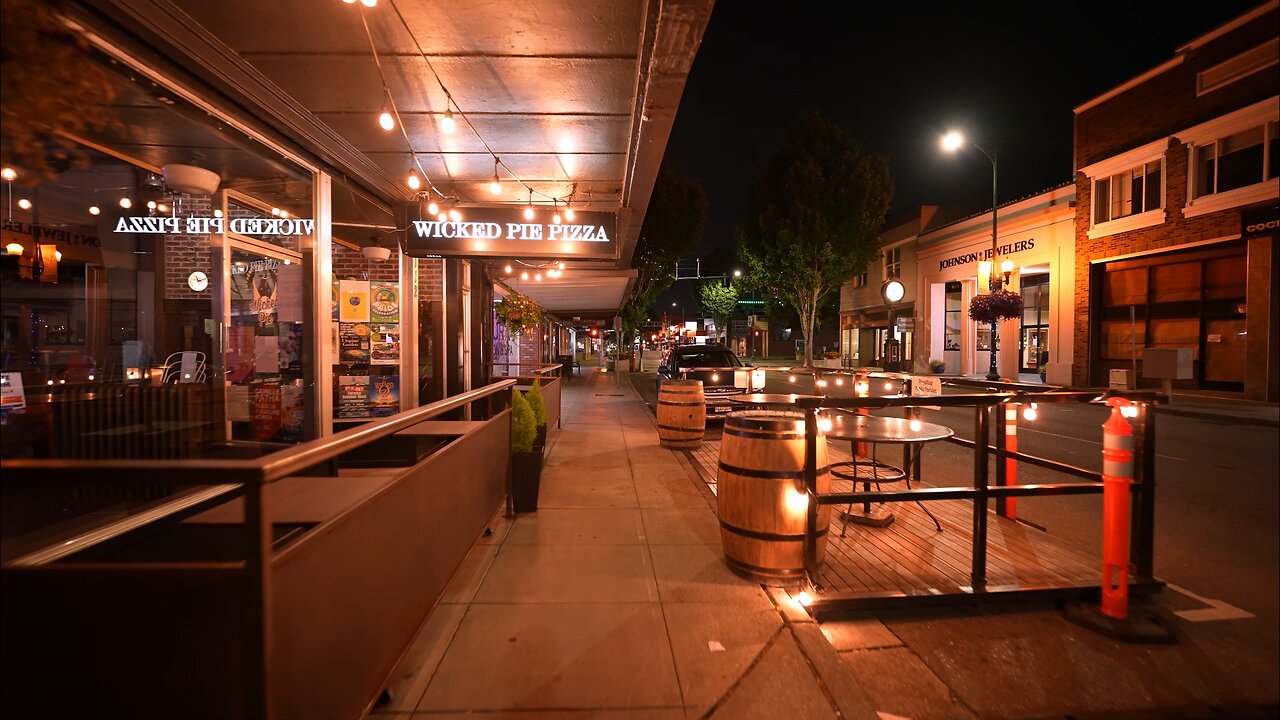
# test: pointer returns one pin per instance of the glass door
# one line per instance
(1033, 344)
(263, 352)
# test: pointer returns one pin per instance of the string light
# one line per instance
(443, 217)
(414, 183)
(555, 213)
(162, 207)
(433, 208)
(385, 121)
(151, 205)
(495, 187)
(126, 203)
(454, 215)
(275, 211)
(9, 174)
(24, 203)
(447, 124)
(523, 276)
(1029, 412)
(94, 210)
(538, 277)
(528, 210)
(369, 3)
(507, 269)
(217, 213)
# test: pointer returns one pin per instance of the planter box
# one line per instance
(526, 476)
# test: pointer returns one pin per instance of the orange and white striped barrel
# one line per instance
(1011, 465)
(1117, 477)
(862, 388)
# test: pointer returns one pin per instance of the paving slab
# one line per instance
(698, 573)
(707, 670)
(578, 526)
(861, 631)
(569, 574)
(557, 657)
(610, 488)
(681, 525)
(411, 676)
(649, 714)
(466, 579)
(898, 682)
(780, 683)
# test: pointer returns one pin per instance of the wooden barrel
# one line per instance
(682, 414)
(761, 496)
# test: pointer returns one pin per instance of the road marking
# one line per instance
(1217, 610)
(1091, 442)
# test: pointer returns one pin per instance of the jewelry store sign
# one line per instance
(505, 232)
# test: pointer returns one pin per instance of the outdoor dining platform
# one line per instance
(911, 562)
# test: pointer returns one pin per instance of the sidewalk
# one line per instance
(613, 601)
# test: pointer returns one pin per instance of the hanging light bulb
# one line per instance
(507, 269)
(24, 203)
(369, 3)
(217, 213)
(385, 121)
(561, 266)
(454, 215)
(413, 182)
(9, 174)
(162, 207)
(94, 209)
(495, 187)
(538, 277)
(57, 255)
(433, 208)
(151, 205)
(443, 217)
(523, 276)
(568, 211)
(447, 124)
(528, 210)
(126, 203)
(275, 211)
(555, 213)
(283, 213)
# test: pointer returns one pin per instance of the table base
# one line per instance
(877, 516)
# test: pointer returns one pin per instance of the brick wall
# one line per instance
(184, 254)
(351, 265)
(431, 279)
(532, 347)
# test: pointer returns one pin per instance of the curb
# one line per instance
(1218, 417)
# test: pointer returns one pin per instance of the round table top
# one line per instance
(872, 428)
(769, 398)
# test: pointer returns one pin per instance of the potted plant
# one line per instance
(526, 463)
(937, 366)
(534, 396)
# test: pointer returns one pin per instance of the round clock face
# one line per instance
(198, 281)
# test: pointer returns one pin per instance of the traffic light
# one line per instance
(594, 332)
(757, 333)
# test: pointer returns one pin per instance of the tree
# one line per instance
(813, 218)
(718, 300)
(673, 225)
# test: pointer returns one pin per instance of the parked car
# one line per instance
(722, 374)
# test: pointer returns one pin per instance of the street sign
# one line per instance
(926, 386)
(906, 324)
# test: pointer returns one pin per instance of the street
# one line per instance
(1216, 540)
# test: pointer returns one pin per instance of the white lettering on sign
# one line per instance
(925, 386)
(213, 225)
(513, 231)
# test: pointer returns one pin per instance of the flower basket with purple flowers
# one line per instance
(999, 305)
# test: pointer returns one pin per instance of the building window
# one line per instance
(860, 280)
(1134, 191)
(1238, 160)
(893, 263)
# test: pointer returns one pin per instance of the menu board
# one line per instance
(353, 396)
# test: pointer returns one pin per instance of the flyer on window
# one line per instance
(353, 343)
(385, 345)
(353, 301)
(384, 302)
(291, 413)
(384, 395)
(266, 411)
(353, 396)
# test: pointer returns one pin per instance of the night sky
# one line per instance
(897, 75)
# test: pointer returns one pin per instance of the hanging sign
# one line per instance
(505, 232)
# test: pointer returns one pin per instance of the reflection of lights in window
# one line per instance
(24, 203)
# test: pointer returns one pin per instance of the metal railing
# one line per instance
(981, 491)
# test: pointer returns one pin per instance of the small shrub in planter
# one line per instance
(937, 366)
(526, 463)
(539, 407)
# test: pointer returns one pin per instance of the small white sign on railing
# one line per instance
(926, 386)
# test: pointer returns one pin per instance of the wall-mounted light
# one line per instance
(13, 248)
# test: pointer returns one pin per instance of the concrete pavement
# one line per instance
(613, 601)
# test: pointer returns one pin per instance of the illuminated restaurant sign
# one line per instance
(162, 225)
(505, 232)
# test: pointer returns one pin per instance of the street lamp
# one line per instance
(952, 142)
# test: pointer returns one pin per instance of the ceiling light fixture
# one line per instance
(14, 248)
(414, 182)
(495, 187)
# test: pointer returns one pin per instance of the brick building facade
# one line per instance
(1170, 166)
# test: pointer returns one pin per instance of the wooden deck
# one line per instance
(910, 562)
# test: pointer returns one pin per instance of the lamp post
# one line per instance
(952, 142)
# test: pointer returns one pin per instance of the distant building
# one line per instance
(1178, 176)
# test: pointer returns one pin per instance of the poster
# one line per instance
(384, 395)
(12, 396)
(266, 411)
(335, 300)
(353, 343)
(353, 396)
(385, 345)
(238, 403)
(240, 350)
(266, 354)
(384, 302)
(353, 301)
(290, 347)
(291, 413)
(289, 293)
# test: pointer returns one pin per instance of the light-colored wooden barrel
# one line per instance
(682, 414)
(761, 496)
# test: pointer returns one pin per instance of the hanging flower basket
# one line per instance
(519, 313)
(999, 305)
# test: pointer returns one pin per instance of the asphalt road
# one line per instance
(1217, 533)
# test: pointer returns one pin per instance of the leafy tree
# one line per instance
(813, 218)
(718, 300)
(672, 228)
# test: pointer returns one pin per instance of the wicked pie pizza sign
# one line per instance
(505, 232)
